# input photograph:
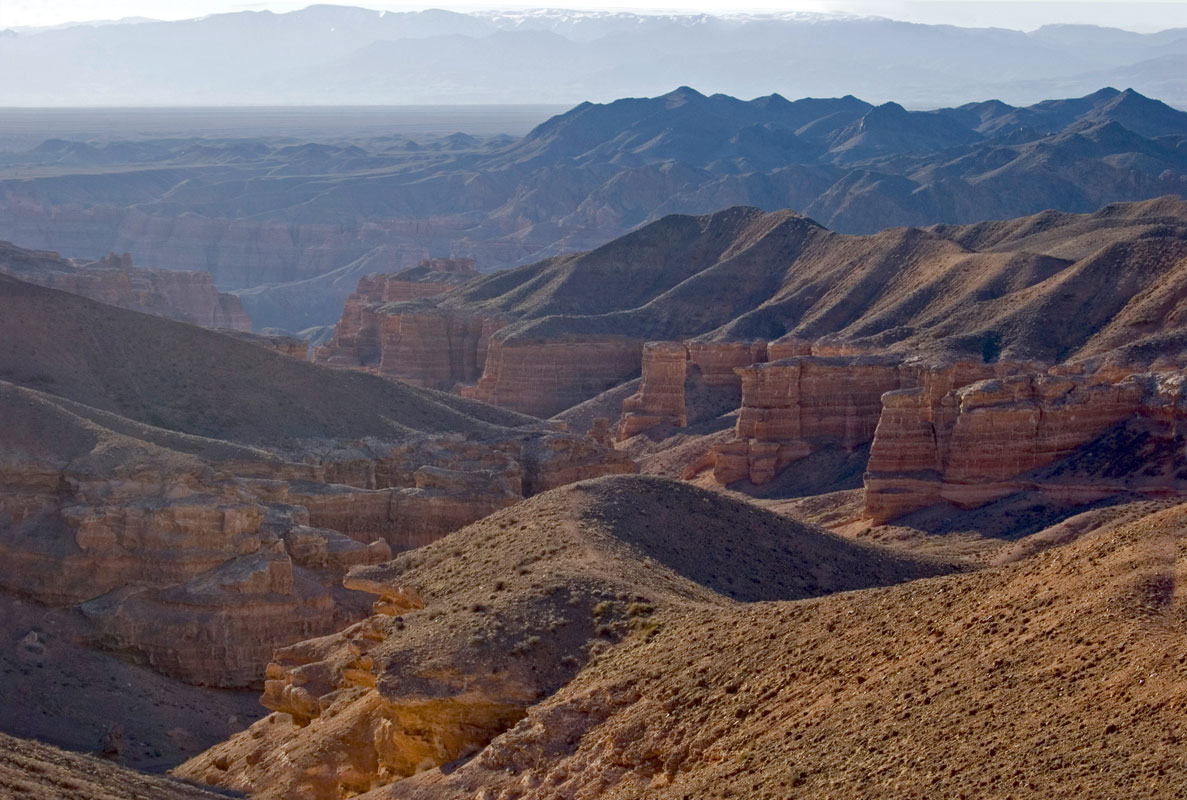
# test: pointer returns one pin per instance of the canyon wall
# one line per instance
(543, 378)
(204, 567)
(1062, 434)
(964, 432)
(673, 372)
(185, 296)
(425, 347)
(792, 406)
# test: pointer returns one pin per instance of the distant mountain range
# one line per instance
(341, 55)
(292, 226)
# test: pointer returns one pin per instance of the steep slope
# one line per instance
(32, 769)
(192, 501)
(203, 383)
(473, 630)
(1061, 673)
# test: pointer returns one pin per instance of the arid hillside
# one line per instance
(1059, 674)
(576, 646)
(472, 631)
(32, 769)
(547, 336)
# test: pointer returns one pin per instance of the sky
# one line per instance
(1139, 15)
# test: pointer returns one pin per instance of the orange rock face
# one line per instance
(204, 568)
(668, 369)
(544, 378)
(398, 344)
(987, 439)
(963, 432)
(792, 406)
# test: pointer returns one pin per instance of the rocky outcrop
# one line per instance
(204, 568)
(1062, 434)
(792, 406)
(200, 498)
(786, 407)
(363, 331)
(433, 348)
(965, 431)
(672, 374)
(544, 378)
(186, 296)
(469, 632)
(660, 399)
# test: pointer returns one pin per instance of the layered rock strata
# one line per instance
(181, 295)
(204, 568)
(200, 498)
(792, 406)
(362, 333)
(470, 632)
(547, 336)
(428, 347)
(543, 378)
(966, 432)
(672, 373)
(1078, 437)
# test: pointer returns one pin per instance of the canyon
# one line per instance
(920, 346)
(156, 501)
(741, 503)
(473, 630)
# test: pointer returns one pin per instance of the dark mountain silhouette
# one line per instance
(293, 225)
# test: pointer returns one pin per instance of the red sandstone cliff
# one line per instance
(988, 439)
(963, 432)
(428, 349)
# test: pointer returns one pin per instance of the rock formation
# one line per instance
(543, 378)
(741, 287)
(988, 439)
(161, 492)
(792, 406)
(1056, 672)
(186, 296)
(361, 335)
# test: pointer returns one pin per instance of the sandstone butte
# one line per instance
(928, 348)
(199, 498)
(185, 296)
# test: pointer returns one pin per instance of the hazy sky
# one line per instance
(1020, 14)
